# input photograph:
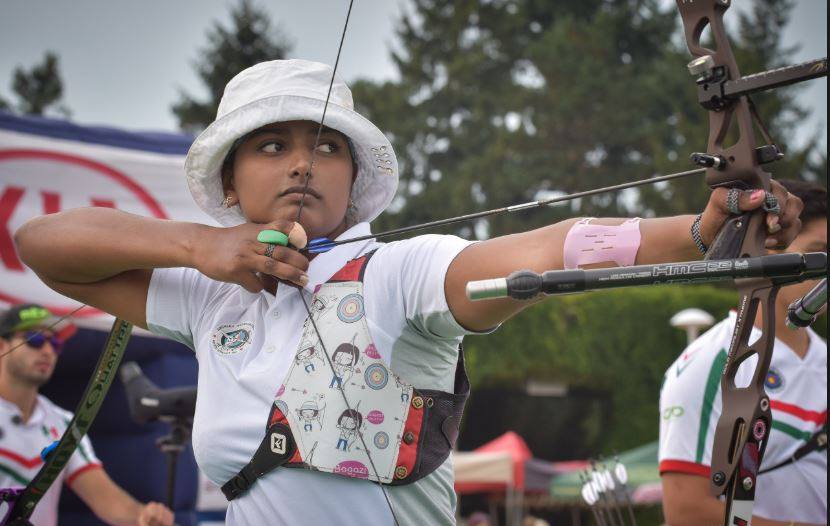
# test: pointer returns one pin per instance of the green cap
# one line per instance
(24, 317)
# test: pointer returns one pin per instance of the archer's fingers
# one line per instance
(747, 201)
(790, 205)
(785, 234)
(285, 255)
(282, 271)
(751, 200)
(295, 232)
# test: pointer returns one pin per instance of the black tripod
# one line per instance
(174, 406)
(171, 446)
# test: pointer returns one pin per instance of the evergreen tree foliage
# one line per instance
(502, 102)
(250, 38)
(39, 89)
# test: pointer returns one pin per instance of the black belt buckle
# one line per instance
(276, 448)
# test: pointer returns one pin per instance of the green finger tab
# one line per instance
(274, 237)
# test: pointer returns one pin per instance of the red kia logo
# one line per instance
(36, 182)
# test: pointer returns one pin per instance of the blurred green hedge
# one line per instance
(617, 341)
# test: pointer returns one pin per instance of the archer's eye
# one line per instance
(271, 147)
(327, 147)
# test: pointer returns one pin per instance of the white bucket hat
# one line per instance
(290, 90)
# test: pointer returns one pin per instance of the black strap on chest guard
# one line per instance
(817, 442)
(436, 438)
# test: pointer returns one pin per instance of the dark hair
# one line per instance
(353, 414)
(813, 195)
(347, 348)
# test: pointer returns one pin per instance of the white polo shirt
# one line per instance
(20, 447)
(414, 333)
(690, 405)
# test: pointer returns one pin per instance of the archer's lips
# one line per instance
(299, 190)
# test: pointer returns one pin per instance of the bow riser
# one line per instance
(741, 167)
(736, 165)
(746, 420)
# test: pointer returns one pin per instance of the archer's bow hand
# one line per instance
(782, 225)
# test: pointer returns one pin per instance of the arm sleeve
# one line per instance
(171, 298)
(416, 269)
(81, 461)
(690, 405)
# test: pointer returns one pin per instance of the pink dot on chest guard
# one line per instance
(375, 417)
(372, 352)
(281, 390)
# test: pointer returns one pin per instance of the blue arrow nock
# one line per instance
(320, 245)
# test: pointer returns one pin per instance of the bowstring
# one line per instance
(300, 291)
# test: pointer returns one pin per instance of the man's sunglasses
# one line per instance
(37, 340)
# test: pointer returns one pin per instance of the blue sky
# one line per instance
(124, 62)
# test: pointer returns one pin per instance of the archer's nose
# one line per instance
(301, 165)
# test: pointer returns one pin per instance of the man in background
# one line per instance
(29, 422)
(788, 492)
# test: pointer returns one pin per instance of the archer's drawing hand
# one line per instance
(781, 227)
(234, 255)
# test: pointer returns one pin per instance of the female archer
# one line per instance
(268, 164)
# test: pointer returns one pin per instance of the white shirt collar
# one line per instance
(325, 265)
(38, 414)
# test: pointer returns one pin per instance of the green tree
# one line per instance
(38, 89)
(502, 102)
(505, 102)
(249, 39)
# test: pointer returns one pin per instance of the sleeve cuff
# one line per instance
(455, 328)
(80, 471)
(684, 466)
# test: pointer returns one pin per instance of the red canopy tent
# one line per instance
(495, 466)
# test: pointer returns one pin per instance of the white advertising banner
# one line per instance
(47, 166)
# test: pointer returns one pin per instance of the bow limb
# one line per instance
(100, 382)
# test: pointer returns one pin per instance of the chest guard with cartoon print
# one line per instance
(389, 433)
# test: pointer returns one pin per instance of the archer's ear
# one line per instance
(227, 185)
(227, 177)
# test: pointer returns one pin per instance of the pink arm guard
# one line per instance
(586, 244)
